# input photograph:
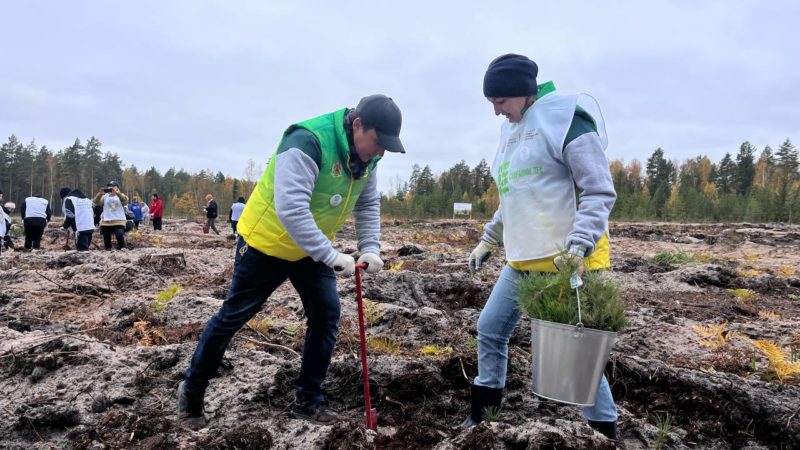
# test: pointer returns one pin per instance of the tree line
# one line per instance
(744, 187)
(27, 170)
(740, 187)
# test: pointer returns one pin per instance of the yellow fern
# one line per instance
(396, 266)
(742, 294)
(750, 273)
(750, 258)
(714, 335)
(771, 350)
(372, 311)
(435, 350)
(787, 271)
(384, 344)
(769, 315)
(777, 358)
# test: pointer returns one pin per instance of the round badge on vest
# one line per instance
(336, 200)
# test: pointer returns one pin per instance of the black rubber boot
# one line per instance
(609, 429)
(190, 408)
(482, 397)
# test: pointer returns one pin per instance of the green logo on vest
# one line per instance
(502, 178)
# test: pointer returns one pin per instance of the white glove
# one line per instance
(373, 262)
(344, 264)
(572, 258)
(479, 256)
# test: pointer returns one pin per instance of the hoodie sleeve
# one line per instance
(493, 231)
(368, 217)
(295, 176)
(586, 160)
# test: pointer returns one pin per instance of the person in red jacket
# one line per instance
(156, 211)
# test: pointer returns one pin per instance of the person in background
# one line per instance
(211, 210)
(556, 193)
(5, 224)
(81, 209)
(323, 170)
(235, 213)
(69, 217)
(156, 211)
(35, 212)
(7, 209)
(136, 209)
(145, 214)
(113, 221)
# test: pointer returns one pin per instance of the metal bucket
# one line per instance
(568, 361)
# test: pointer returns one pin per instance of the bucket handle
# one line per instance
(576, 282)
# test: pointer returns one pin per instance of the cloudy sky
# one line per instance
(211, 84)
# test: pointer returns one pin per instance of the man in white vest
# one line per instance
(69, 216)
(80, 208)
(551, 147)
(35, 212)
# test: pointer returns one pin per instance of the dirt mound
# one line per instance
(93, 345)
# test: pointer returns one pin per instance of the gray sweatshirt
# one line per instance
(296, 170)
(586, 160)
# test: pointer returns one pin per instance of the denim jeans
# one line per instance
(255, 277)
(497, 321)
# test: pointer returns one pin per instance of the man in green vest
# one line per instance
(323, 170)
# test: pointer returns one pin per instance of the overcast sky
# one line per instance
(209, 85)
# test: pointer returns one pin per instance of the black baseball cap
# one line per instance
(381, 112)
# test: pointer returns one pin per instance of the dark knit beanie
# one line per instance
(510, 76)
(64, 192)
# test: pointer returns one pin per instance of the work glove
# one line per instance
(573, 258)
(344, 264)
(479, 256)
(373, 262)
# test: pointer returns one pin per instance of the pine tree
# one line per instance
(726, 175)
(745, 168)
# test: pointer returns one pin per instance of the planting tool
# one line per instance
(370, 413)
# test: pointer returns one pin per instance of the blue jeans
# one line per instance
(255, 277)
(495, 325)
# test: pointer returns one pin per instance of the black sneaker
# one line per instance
(316, 413)
(190, 409)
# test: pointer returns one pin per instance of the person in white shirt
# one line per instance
(235, 213)
(81, 209)
(35, 212)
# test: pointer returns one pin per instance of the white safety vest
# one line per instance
(3, 218)
(112, 208)
(67, 213)
(84, 216)
(236, 211)
(537, 193)
(35, 207)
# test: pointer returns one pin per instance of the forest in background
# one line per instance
(740, 187)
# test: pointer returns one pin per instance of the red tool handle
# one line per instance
(371, 414)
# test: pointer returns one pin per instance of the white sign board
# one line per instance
(462, 208)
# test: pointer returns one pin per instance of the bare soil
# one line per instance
(87, 360)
